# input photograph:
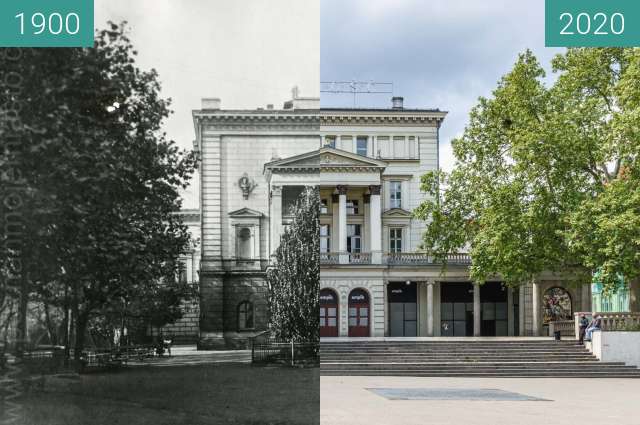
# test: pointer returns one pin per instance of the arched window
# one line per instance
(244, 243)
(245, 315)
(556, 305)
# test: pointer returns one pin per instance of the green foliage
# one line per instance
(294, 281)
(546, 177)
(99, 179)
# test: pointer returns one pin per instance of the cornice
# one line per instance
(407, 119)
(248, 121)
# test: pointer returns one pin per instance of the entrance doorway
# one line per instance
(493, 296)
(359, 313)
(403, 312)
(328, 313)
(456, 309)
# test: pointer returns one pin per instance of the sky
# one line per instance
(437, 53)
(249, 53)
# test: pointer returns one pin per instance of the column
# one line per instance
(535, 300)
(521, 311)
(342, 224)
(430, 304)
(476, 309)
(375, 225)
(510, 318)
(275, 219)
(586, 297)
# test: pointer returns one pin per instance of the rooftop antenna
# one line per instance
(356, 87)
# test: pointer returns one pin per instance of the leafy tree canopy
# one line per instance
(294, 282)
(100, 181)
(546, 175)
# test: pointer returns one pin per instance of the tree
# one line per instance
(544, 176)
(294, 281)
(100, 178)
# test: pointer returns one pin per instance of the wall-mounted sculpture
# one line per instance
(246, 184)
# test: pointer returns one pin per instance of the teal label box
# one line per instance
(592, 23)
(46, 23)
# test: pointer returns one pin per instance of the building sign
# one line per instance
(358, 296)
(328, 297)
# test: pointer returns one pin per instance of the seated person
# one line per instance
(595, 324)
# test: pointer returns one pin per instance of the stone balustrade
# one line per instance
(566, 327)
(611, 321)
(395, 258)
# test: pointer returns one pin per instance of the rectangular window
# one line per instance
(325, 238)
(395, 194)
(330, 141)
(395, 239)
(353, 238)
(324, 206)
(361, 146)
(290, 195)
(352, 207)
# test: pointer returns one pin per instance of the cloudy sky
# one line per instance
(248, 53)
(438, 53)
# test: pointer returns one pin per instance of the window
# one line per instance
(361, 146)
(353, 238)
(352, 207)
(290, 195)
(245, 316)
(182, 273)
(330, 141)
(395, 194)
(325, 238)
(324, 206)
(395, 239)
(244, 243)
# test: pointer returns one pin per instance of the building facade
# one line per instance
(374, 280)
(186, 330)
(244, 196)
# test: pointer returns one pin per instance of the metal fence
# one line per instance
(274, 351)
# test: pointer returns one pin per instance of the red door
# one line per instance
(328, 313)
(359, 313)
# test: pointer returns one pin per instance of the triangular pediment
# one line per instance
(325, 158)
(245, 213)
(307, 161)
(330, 157)
(397, 213)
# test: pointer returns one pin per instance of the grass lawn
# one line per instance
(190, 395)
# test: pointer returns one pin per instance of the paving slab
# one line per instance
(356, 400)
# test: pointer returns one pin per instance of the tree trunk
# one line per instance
(81, 327)
(21, 337)
(51, 330)
(634, 295)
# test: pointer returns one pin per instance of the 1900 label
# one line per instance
(46, 23)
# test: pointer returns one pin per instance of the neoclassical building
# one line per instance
(374, 280)
(245, 193)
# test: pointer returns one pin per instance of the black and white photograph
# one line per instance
(160, 263)
(305, 212)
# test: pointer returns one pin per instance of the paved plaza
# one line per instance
(453, 401)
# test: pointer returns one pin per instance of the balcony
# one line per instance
(392, 259)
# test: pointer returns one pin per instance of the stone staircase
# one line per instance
(467, 358)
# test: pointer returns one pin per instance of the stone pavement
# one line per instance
(549, 401)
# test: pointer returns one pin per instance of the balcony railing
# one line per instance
(329, 258)
(393, 259)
